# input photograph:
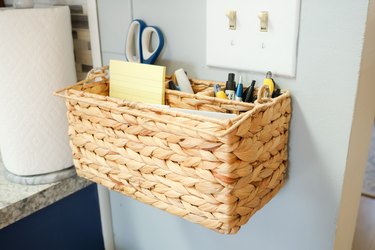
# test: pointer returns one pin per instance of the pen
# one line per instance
(239, 90)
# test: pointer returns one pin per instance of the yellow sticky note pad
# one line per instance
(137, 82)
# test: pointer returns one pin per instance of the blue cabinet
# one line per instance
(72, 223)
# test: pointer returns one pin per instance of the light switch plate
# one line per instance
(247, 48)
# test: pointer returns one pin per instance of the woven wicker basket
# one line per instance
(213, 172)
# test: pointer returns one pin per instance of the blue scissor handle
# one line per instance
(138, 42)
(148, 56)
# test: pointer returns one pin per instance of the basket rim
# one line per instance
(229, 124)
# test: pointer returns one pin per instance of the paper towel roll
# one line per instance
(36, 59)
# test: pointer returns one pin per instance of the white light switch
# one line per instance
(232, 16)
(265, 37)
(263, 17)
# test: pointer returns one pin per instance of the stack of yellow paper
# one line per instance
(137, 82)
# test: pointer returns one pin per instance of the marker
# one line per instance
(219, 93)
(230, 86)
(239, 90)
(250, 92)
(268, 81)
(245, 93)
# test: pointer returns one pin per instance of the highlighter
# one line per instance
(239, 90)
(219, 93)
(268, 81)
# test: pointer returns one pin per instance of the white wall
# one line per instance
(304, 214)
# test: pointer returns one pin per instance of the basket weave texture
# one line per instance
(213, 172)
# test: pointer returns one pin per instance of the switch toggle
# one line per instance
(232, 16)
(263, 16)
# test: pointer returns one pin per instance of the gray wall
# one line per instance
(303, 215)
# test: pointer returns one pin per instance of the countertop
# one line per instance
(18, 201)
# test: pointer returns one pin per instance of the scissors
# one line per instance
(138, 42)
